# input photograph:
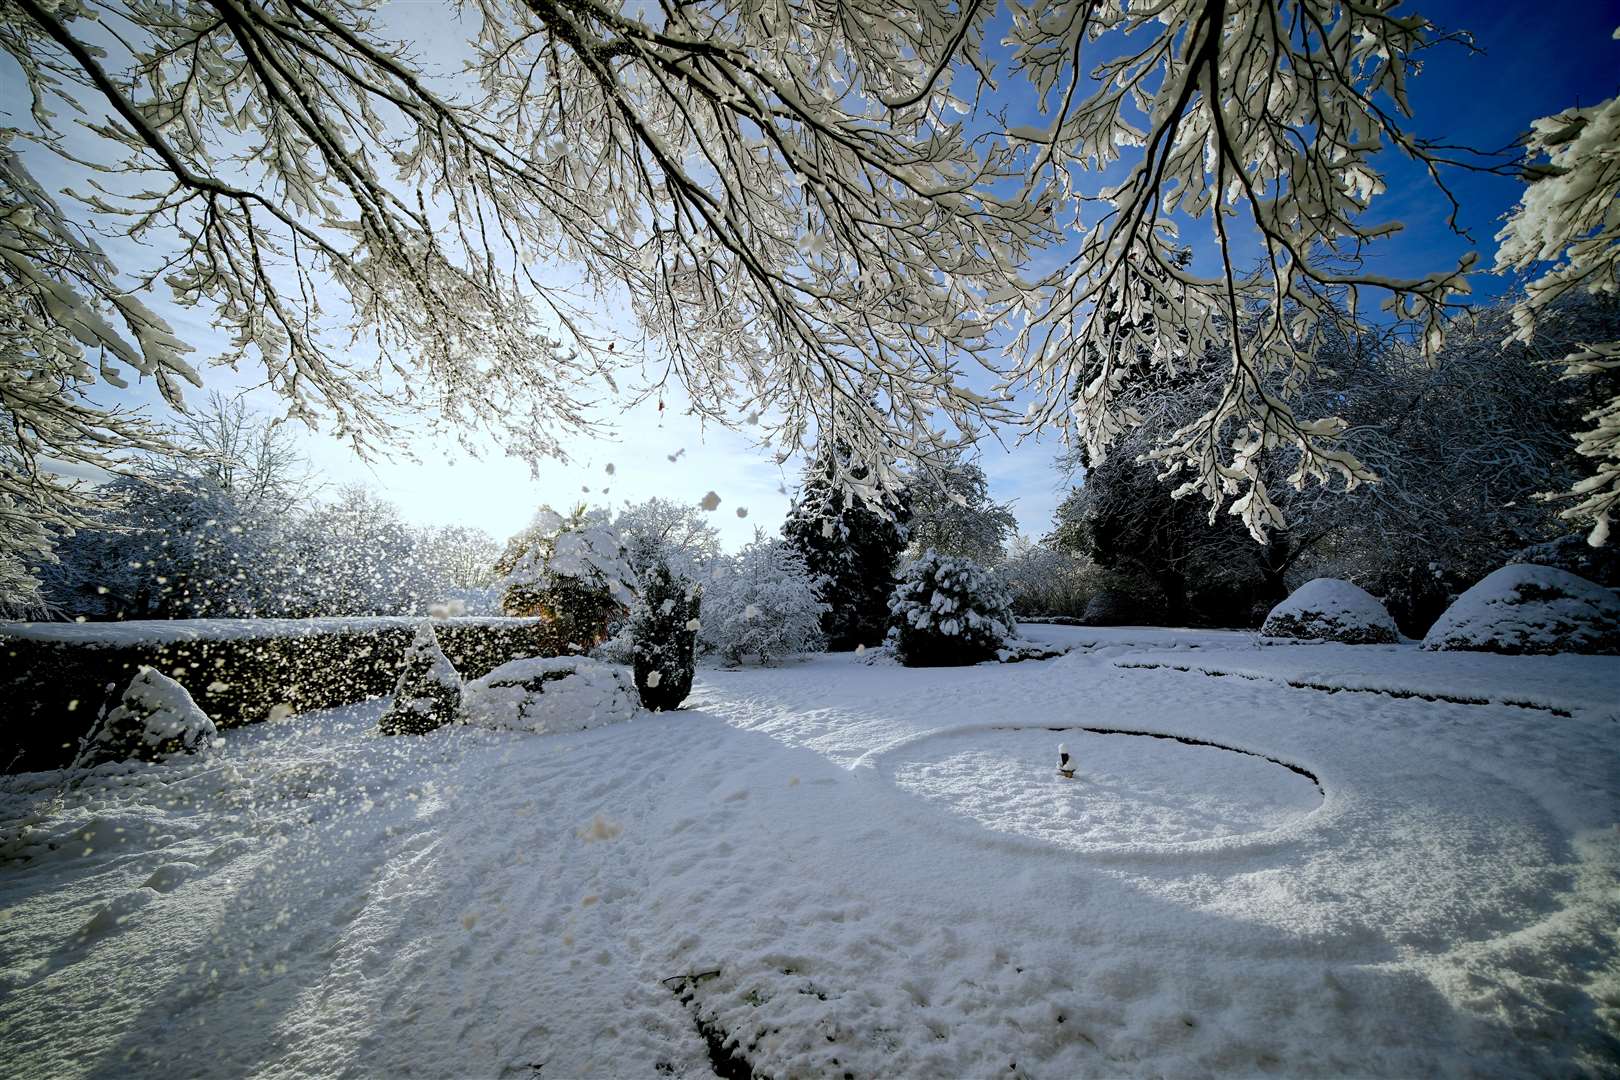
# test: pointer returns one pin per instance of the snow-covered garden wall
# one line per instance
(240, 671)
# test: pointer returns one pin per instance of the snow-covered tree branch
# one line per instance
(1262, 118)
(785, 194)
(1570, 217)
(816, 218)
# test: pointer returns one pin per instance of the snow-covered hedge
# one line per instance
(1328, 609)
(153, 721)
(1531, 609)
(57, 676)
(550, 694)
(948, 611)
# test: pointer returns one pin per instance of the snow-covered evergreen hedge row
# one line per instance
(58, 675)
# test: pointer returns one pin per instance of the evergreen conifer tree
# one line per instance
(849, 547)
(428, 691)
(664, 632)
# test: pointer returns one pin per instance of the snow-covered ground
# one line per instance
(1406, 864)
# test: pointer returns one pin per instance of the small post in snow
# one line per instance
(1065, 762)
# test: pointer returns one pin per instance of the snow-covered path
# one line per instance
(865, 870)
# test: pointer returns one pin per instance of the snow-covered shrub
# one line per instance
(548, 694)
(1045, 580)
(948, 611)
(573, 571)
(620, 648)
(428, 691)
(1328, 609)
(1531, 609)
(154, 720)
(1572, 554)
(764, 606)
(664, 629)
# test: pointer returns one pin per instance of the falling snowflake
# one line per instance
(610, 469)
(742, 511)
(693, 625)
(653, 679)
(710, 501)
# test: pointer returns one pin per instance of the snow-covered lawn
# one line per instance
(859, 869)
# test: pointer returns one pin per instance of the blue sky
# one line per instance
(1534, 59)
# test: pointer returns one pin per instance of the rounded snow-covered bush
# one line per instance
(763, 605)
(664, 629)
(1572, 554)
(154, 720)
(548, 694)
(1531, 609)
(428, 691)
(948, 611)
(1329, 609)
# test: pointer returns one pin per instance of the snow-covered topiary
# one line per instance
(948, 611)
(1328, 609)
(1572, 554)
(548, 694)
(154, 720)
(763, 606)
(1531, 609)
(428, 691)
(663, 630)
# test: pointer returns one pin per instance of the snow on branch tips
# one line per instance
(1260, 116)
(784, 195)
(1568, 223)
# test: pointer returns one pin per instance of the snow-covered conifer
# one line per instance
(947, 611)
(154, 720)
(663, 632)
(849, 546)
(428, 691)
